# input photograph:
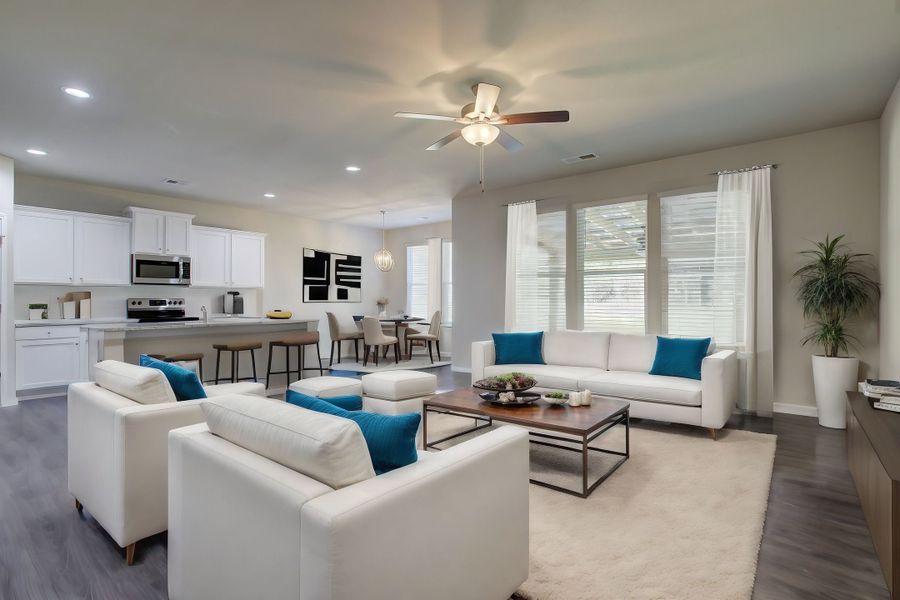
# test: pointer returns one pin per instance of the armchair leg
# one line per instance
(129, 553)
(78, 506)
(714, 433)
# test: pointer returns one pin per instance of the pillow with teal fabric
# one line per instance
(184, 382)
(679, 357)
(345, 402)
(518, 348)
(391, 438)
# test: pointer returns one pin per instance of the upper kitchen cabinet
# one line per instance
(67, 248)
(160, 232)
(226, 258)
(44, 240)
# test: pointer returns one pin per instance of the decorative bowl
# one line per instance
(555, 398)
(511, 399)
(508, 382)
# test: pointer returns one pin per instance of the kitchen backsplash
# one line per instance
(109, 302)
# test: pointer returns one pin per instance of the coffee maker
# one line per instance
(233, 303)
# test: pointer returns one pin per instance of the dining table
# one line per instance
(397, 320)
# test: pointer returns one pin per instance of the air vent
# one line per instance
(577, 159)
(172, 181)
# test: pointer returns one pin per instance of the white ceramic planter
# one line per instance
(833, 378)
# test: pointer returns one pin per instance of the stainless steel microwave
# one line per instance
(160, 270)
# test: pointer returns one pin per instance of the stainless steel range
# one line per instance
(157, 310)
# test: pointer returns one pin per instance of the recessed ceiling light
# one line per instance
(269, 195)
(352, 168)
(35, 151)
(76, 92)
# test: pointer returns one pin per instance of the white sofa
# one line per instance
(117, 432)
(248, 523)
(618, 365)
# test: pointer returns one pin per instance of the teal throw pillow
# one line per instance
(345, 402)
(184, 382)
(518, 348)
(679, 357)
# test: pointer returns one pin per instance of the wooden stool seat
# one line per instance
(236, 348)
(297, 340)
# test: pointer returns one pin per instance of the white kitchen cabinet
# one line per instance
(178, 234)
(227, 258)
(102, 250)
(248, 260)
(44, 240)
(160, 232)
(47, 357)
(210, 257)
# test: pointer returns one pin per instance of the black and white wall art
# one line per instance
(331, 277)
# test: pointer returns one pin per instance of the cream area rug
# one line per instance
(682, 519)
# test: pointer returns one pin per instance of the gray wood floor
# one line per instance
(816, 544)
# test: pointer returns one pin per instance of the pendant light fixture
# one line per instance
(383, 259)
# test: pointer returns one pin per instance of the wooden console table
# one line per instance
(873, 451)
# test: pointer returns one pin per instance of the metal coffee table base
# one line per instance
(580, 445)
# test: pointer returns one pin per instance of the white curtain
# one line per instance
(521, 257)
(743, 281)
(435, 266)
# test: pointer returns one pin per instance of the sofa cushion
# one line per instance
(643, 386)
(679, 357)
(577, 348)
(399, 385)
(323, 387)
(345, 402)
(139, 384)
(548, 376)
(391, 438)
(327, 448)
(631, 352)
(518, 348)
(184, 382)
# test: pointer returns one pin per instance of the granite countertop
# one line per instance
(213, 322)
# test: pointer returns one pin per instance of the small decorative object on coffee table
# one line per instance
(556, 398)
(509, 389)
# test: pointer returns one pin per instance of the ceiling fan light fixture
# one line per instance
(480, 134)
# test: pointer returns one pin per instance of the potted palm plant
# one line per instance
(834, 287)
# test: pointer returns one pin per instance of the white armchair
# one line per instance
(453, 525)
(117, 432)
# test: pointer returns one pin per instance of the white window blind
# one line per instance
(417, 280)
(612, 263)
(703, 286)
(542, 303)
(447, 282)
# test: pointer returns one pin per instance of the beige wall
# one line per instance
(286, 237)
(397, 240)
(890, 243)
(827, 183)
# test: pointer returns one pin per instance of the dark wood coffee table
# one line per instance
(582, 425)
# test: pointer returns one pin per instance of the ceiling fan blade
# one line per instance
(509, 142)
(550, 116)
(409, 115)
(486, 95)
(444, 140)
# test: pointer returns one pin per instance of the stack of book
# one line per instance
(884, 394)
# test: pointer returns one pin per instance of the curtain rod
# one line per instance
(753, 168)
(526, 201)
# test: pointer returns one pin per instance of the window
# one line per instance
(417, 280)
(612, 263)
(447, 282)
(542, 303)
(702, 269)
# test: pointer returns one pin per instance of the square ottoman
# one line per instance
(397, 393)
(328, 386)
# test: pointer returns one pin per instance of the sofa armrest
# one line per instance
(454, 526)
(718, 388)
(482, 356)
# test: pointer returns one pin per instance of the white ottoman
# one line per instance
(398, 393)
(328, 386)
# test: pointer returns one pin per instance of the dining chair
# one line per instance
(375, 338)
(433, 336)
(339, 334)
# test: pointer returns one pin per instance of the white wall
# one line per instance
(827, 183)
(7, 339)
(890, 243)
(286, 237)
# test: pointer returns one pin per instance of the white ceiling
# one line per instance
(240, 98)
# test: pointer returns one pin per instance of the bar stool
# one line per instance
(299, 341)
(187, 357)
(236, 350)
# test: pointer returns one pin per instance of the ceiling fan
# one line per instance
(481, 120)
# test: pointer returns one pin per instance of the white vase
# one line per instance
(833, 377)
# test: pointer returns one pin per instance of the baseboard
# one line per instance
(795, 409)
(460, 369)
